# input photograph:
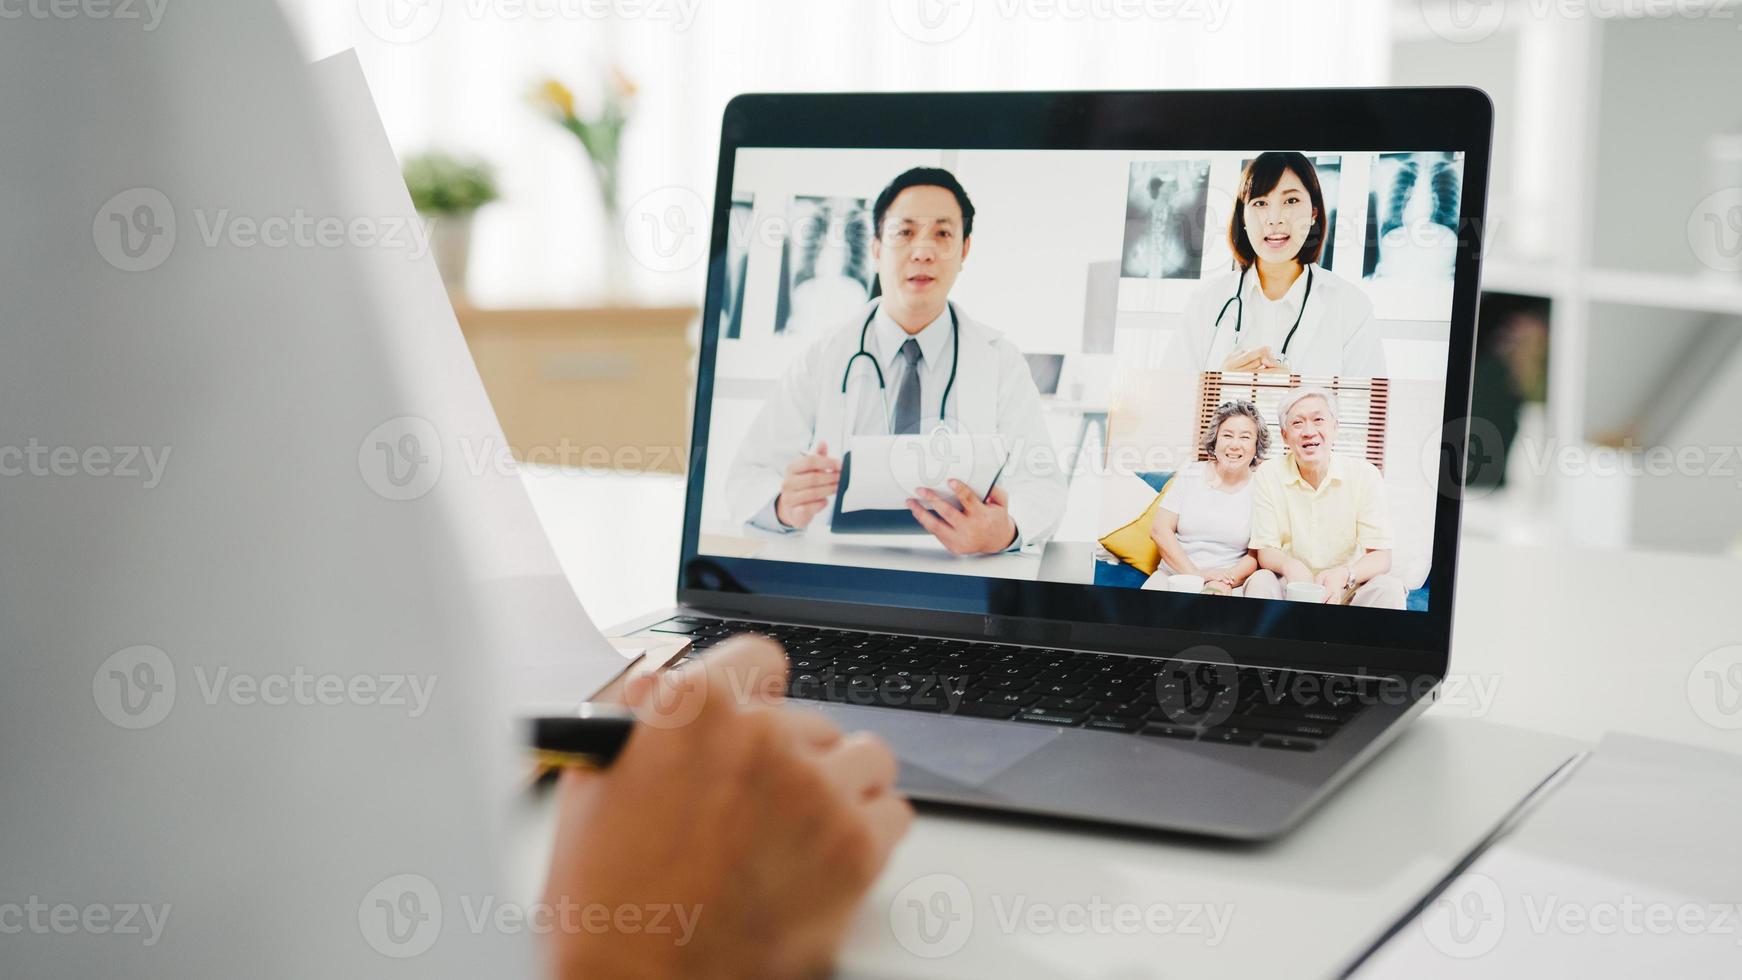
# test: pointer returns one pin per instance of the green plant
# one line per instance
(443, 184)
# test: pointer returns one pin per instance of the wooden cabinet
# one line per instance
(602, 388)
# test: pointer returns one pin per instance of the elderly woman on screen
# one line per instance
(1205, 520)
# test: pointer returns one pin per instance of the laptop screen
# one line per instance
(1216, 372)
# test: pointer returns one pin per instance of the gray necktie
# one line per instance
(906, 419)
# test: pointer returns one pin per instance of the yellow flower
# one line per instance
(557, 95)
(625, 85)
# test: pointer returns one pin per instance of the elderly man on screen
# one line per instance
(1319, 518)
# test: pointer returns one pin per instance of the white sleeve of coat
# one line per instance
(1364, 351)
(1191, 344)
(1034, 477)
(784, 429)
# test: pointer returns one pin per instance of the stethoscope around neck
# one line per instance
(1238, 301)
(882, 386)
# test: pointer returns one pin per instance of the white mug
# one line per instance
(1185, 583)
(1305, 592)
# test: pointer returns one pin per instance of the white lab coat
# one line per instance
(1337, 335)
(226, 577)
(994, 394)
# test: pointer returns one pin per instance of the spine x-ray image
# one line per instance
(737, 264)
(1165, 205)
(1412, 217)
(825, 263)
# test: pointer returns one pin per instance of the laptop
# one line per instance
(1078, 673)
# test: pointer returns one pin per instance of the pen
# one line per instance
(994, 485)
(588, 739)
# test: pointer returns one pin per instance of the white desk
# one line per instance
(903, 552)
(1567, 642)
(1057, 561)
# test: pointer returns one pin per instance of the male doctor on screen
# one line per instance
(938, 367)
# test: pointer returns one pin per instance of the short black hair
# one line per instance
(1260, 178)
(923, 177)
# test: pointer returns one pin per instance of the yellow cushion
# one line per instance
(1132, 544)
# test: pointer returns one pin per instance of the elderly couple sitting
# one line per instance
(1253, 527)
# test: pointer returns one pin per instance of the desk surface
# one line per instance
(1057, 561)
(1566, 642)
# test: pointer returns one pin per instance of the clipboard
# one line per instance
(895, 521)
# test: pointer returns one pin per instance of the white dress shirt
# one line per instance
(887, 338)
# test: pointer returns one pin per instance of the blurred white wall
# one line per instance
(455, 74)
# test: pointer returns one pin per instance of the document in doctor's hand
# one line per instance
(886, 470)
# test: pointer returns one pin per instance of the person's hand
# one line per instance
(1295, 570)
(1226, 576)
(966, 525)
(733, 837)
(1259, 359)
(810, 481)
(1335, 580)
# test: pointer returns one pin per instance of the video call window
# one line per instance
(1215, 372)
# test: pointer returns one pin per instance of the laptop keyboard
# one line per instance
(1148, 696)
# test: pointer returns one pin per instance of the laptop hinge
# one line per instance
(1029, 631)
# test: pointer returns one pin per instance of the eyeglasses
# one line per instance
(943, 238)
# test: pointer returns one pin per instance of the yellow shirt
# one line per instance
(1327, 527)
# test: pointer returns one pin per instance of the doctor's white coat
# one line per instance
(994, 394)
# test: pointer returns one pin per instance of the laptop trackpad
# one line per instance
(960, 751)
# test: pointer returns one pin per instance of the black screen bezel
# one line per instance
(1351, 120)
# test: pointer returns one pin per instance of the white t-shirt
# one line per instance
(1214, 524)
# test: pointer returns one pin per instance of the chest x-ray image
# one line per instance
(1165, 205)
(825, 263)
(1412, 217)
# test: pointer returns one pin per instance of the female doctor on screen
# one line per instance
(909, 362)
(1279, 310)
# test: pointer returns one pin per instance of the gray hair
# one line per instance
(1238, 407)
(1293, 398)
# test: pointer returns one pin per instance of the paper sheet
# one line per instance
(887, 469)
(1632, 868)
(527, 605)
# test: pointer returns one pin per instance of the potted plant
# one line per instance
(447, 192)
